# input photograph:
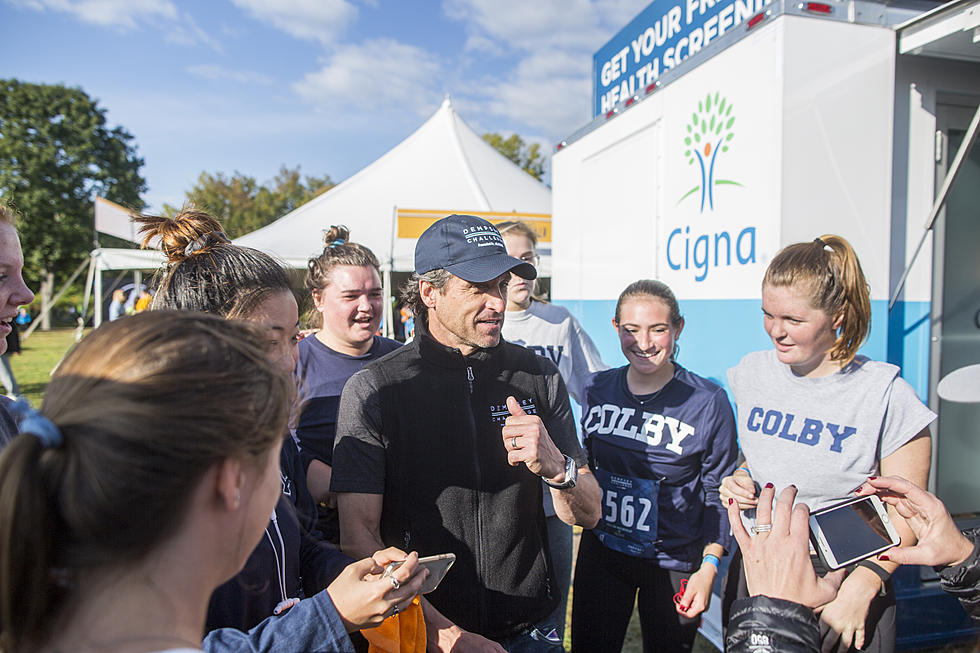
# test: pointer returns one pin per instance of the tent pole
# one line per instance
(97, 291)
(88, 287)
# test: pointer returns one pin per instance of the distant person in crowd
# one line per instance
(14, 293)
(143, 303)
(7, 377)
(206, 272)
(23, 317)
(784, 589)
(441, 445)
(814, 413)
(344, 282)
(548, 330)
(143, 483)
(408, 322)
(117, 305)
(660, 438)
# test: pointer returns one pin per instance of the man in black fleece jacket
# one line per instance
(440, 446)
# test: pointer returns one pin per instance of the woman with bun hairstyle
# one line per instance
(141, 485)
(206, 272)
(814, 413)
(660, 439)
(551, 331)
(344, 282)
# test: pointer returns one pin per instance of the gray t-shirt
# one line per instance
(825, 434)
(551, 331)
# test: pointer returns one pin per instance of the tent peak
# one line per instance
(447, 102)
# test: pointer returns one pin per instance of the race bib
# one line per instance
(629, 514)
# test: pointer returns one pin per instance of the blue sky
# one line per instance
(330, 85)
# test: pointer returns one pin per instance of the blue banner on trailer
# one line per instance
(660, 37)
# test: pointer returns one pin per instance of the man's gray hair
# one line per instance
(411, 296)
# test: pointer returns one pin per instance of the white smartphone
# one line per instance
(851, 531)
(438, 566)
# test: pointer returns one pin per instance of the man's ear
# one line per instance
(428, 293)
(229, 480)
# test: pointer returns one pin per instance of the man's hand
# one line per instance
(527, 441)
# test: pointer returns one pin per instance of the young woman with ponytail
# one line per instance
(344, 282)
(814, 413)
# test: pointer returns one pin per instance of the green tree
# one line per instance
(528, 157)
(56, 155)
(244, 205)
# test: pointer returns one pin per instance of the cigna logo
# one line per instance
(707, 136)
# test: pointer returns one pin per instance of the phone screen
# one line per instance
(853, 531)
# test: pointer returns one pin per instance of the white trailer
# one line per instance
(784, 121)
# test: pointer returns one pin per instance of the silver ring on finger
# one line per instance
(761, 528)
(394, 610)
(394, 583)
(513, 442)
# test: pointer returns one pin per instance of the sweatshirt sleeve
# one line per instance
(312, 625)
(585, 361)
(719, 459)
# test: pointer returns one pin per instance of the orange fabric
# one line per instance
(400, 633)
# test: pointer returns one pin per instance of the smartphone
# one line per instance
(437, 566)
(851, 531)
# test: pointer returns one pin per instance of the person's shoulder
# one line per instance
(697, 381)
(864, 366)
(603, 378)
(392, 358)
(518, 357)
(384, 346)
(550, 312)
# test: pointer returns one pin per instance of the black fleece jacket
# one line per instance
(422, 426)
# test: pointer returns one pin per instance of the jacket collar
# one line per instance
(437, 353)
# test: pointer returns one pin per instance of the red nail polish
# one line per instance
(883, 557)
(871, 478)
(731, 501)
(769, 486)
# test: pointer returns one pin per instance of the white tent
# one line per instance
(443, 167)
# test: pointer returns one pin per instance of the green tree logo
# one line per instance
(708, 134)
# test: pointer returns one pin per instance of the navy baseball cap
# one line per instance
(469, 247)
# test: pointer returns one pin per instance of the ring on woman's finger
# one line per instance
(394, 583)
(513, 442)
(761, 528)
(394, 610)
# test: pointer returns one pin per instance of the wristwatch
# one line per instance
(571, 476)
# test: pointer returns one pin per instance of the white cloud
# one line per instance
(379, 74)
(317, 20)
(549, 87)
(216, 72)
(125, 14)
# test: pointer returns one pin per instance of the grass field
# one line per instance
(39, 355)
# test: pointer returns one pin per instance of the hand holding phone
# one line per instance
(852, 530)
(438, 566)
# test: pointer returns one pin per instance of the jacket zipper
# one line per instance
(481, 599)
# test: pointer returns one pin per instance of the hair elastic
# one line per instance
(29, 420)
(199, 242)
(337, 243)
(820, 242)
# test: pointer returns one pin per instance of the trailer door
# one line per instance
(956, 316)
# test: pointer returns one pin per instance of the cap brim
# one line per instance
(488, 268)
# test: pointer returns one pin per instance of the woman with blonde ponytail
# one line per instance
(814, 413)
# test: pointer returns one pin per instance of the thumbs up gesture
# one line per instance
(527, 441)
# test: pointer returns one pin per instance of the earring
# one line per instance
(238, 498)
